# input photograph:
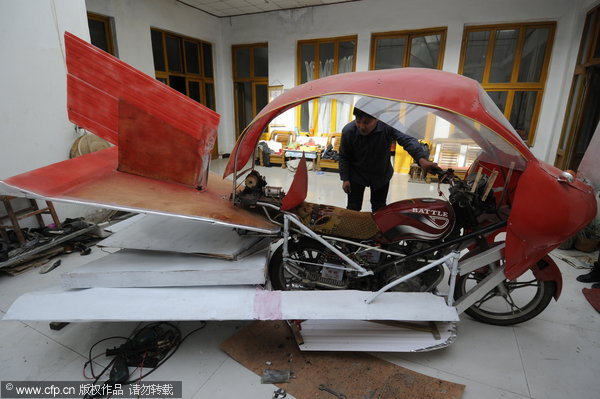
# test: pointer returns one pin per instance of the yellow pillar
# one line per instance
(402, 160)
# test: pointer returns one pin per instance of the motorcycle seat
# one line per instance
(337, 222)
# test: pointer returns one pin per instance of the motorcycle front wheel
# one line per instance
(510, 303)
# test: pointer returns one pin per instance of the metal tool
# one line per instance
(279, 394)
(331, 391)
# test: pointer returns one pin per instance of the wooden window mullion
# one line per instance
(514, 77)
(488, 57)
(510, 97)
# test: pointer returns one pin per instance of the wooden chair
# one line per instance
(13, 216)
(334, 139)
(455, 154)
(285, 138)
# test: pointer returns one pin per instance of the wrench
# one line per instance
(331, 391)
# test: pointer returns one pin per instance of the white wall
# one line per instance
(282, 29)
(133, 20)
(34, 128)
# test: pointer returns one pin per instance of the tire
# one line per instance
(526, 298)
(304, 250)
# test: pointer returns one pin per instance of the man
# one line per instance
(365, 158)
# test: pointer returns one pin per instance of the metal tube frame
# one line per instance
(451, 257)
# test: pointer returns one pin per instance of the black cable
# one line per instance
(90, 360)
(167, 343)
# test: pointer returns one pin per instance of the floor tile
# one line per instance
(232, 380)
(29, 355)
(483, 353)
(80, 337)
(560, 361)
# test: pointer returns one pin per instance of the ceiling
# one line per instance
(231, 8)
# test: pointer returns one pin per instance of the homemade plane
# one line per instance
(507, 216)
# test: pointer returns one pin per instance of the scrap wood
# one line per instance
(271, 345)
(36, 260)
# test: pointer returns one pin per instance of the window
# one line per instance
(583, 110)
(185, 64)
(101, 32)
(250, 82)
(318, 59)
(423, 49)
(511, 63)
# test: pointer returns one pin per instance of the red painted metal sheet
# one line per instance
(98, 80)
(92, 179)
(545, 213)
(547, 270)
(298, 189)
(152, 148)
(429, 87)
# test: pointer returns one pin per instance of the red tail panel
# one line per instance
(298, 189)
(113, 80)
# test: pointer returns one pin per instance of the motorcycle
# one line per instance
(491, 236)
(331, 248)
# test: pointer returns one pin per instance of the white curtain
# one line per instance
(310, 75)
(343, 108)
(324, 117)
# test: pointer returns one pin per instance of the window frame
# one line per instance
(108, 30)
(409, 35)
(200, 77)
(252, 79)
(337, 40)
(513, 85)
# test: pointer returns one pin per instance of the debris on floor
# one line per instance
(576, 259)
(43, 244)
(327, 374)
(593, 297)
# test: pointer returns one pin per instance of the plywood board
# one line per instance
(135, 268)
(167, 233)
(224, 303)
(271, 345)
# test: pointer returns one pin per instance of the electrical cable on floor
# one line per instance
(148, 347)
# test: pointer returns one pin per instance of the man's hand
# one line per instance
(346, 186)
(427, 165)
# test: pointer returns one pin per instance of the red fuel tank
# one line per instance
(417, 219)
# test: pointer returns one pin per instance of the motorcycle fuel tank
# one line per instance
(418, 218)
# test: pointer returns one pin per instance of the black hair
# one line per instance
(360, 113)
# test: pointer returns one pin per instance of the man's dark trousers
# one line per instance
(378, 196)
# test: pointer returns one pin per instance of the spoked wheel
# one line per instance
(512, 302)
(305, 268)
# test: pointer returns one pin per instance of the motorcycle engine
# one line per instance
(423, 282)
(256, 189)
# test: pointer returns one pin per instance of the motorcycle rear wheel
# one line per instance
(525, 298)
(305, 250)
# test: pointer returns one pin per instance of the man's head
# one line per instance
(364, 122)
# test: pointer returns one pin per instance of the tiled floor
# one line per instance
(554, 356)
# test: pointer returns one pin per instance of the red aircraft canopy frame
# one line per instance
(428, 87)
